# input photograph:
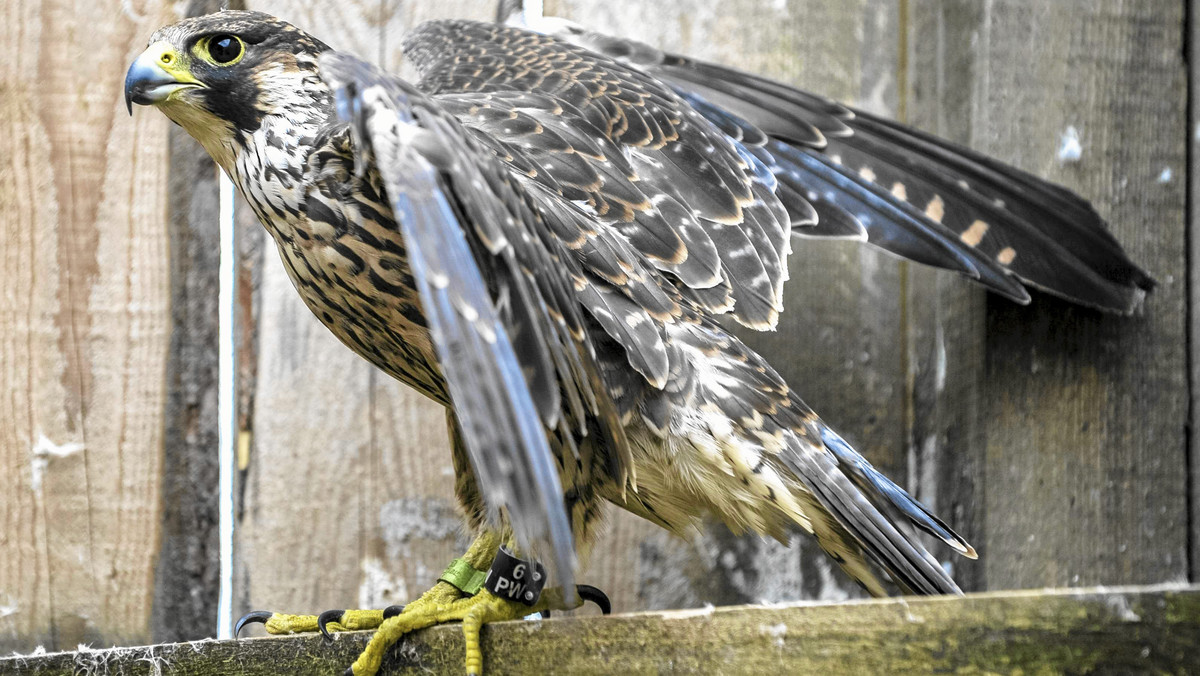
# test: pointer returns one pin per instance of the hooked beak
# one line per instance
(158, 73)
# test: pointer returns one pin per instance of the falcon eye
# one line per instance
(225, 49)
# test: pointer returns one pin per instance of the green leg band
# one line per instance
(465, 577)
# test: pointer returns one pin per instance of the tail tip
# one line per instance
(962, 547)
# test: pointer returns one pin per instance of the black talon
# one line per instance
(325, 618)
(392, 611)
(260, 616)
(589, 593)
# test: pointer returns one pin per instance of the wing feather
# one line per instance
(685, 195)
(916, 195)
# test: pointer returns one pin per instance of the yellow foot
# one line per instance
(341, 620)
(473, 612)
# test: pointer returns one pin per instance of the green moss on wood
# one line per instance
(1124, 630)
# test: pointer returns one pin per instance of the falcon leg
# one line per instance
(478, 557)
(445, 602)
(473, 612)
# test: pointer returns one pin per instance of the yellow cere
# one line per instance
(172, 62)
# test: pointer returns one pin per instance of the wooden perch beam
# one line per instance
(1114, 630)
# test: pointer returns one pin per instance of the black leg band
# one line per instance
(515, 579)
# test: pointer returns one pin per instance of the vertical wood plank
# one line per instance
(1193, 281)
(945, 320)
(251, 245)
(1084, 413)
(187, 577)
(1110, 507)
(84, 326)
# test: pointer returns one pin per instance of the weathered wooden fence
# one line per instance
(1116, 630)
(1054, 438)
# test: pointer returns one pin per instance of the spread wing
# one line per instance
(498, 305)
(729, 164)
(916, 195)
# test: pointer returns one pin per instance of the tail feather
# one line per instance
(871, 480)
(768, 463)
(905, 561)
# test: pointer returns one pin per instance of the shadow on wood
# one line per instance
(1114, 630)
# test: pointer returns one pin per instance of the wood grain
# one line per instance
(84, 326)
(1193, 282)
(945, 317)
(1085, 460)
(1107, 631)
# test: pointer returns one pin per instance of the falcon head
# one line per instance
(219, 76)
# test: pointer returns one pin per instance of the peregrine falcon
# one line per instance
(549, 233)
